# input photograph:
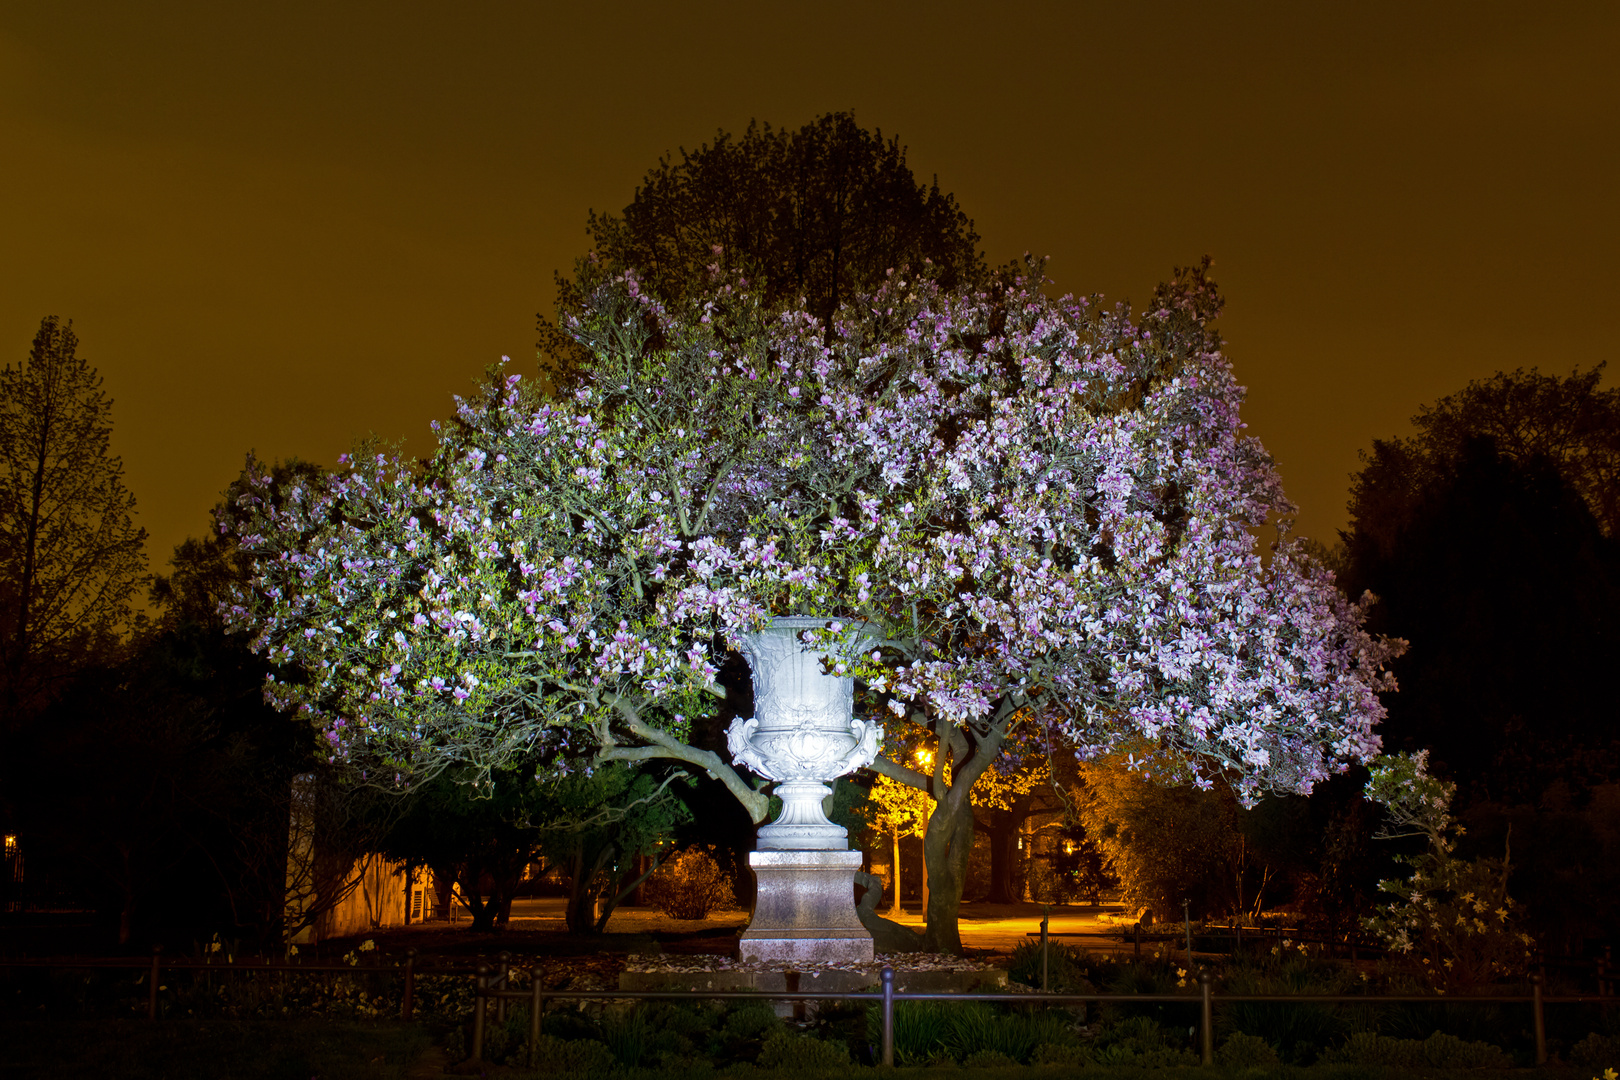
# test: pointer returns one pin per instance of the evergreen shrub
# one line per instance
(1438, 1051)
(690, 885)
(1597, 1052)
(784, 1050)
(1242, 1051)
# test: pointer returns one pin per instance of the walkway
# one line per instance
(996, 927)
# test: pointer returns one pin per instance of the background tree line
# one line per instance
(1488, 537)
(147, 774)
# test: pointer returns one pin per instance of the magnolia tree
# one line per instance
(1453, 915)
(1046, 509)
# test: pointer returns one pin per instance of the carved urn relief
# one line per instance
(802, 735)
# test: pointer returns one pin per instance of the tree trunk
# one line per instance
(633, 888)
(126, 895)
(483, 915)
(888, 936)
(443, 894)
(577, 915)
(1003, 841)
(502, 903)
(948, 841)
(947, 850)
(927, 861)
(894, 901)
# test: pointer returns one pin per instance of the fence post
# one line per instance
(1605, 984)
(151, 990)
(407, 996)
(887, 975)
(1186, 920)
(1536, 982)
(1206, 982)
(1046, 918)
(480, 1002)
(537, 1009)
(1138, 941)
(502, 983)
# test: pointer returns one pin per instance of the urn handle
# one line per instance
(759, 759)
(742, 750)
(865, 750)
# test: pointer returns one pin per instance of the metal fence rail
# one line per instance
(490, 979)
(491, 991)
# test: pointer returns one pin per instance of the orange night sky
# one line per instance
(282, 226)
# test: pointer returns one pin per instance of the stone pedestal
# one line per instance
(804, 909)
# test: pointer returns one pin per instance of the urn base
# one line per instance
(804, 909)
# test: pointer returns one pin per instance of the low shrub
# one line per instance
(1469, 1020)
(1068, 969)
(739, 1033)
(750, 1020)
(1297, 1030)
(784, 1050)
(1438, 1051)
(206, 1049)
(1596, 1052)
(1242, 1051)
(627, 1035)
(1140, 1041)
(921, 1029)
(571, 1024)
(554, 1056)
(1069, 1055)
(977, 1028)
(987, 1059)
(689, 885)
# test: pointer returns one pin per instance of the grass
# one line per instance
(208, 1049)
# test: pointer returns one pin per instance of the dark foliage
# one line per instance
(1489, 537)
(71, 556)
(1502, 580)
(157, 789)
(823, 213)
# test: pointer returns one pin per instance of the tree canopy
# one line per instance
(813, 216)
(1044, 504)
(1484, 536)
(1569, 424)
(71, 555)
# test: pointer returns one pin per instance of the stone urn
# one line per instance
(803, 734)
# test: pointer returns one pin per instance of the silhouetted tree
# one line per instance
(157, 788)
(71, 555)
(822, 213)
(482, 836)
(1568, 423)
(1492, 563)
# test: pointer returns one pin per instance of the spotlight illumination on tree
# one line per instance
(1045, 505)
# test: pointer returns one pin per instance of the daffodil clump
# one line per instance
(1453, 916)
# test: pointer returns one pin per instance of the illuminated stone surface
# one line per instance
(803, 734)
(804, 909)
